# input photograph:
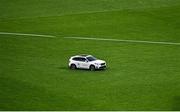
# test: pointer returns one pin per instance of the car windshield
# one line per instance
(91, 58)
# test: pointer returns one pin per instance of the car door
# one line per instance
(83, 63)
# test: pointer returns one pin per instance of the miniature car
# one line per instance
(86, 62)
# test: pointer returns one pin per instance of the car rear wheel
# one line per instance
(73, 66)
(92, 68)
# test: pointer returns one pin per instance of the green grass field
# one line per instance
(140, 76)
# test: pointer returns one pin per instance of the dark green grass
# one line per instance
(34, 73)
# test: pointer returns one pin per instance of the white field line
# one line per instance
(87, 38)
(120, 40)
(24, 34)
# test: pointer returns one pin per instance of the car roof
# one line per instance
(82, 55)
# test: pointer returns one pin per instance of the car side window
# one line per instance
(83, 59)
(76, 59)
(79, 59)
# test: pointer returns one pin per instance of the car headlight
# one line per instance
(96, 63)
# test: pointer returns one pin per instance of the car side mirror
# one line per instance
(86, 61)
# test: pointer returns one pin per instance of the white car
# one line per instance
(86, 62)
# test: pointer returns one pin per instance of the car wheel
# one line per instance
(92, 68)
(73, 66)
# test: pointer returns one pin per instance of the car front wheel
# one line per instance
(92, 68)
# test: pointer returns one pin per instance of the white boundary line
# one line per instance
(24, 34)
(87, 38)
(120, 40)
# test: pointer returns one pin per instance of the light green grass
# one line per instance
(34, 73)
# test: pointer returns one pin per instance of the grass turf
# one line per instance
(34, 73)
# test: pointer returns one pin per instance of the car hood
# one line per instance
(99, 61)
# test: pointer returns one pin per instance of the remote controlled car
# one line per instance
(86, 62)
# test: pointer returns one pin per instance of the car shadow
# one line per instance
(67, 68)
